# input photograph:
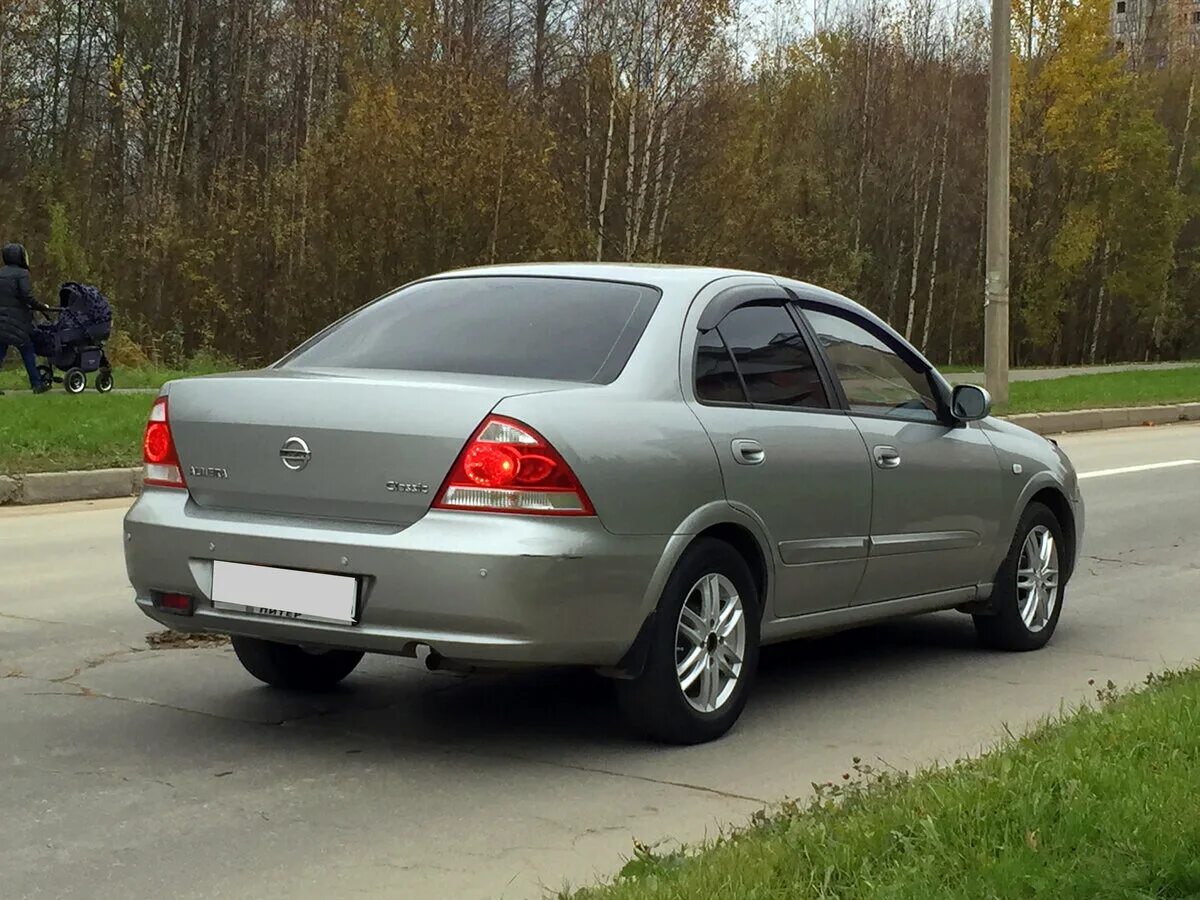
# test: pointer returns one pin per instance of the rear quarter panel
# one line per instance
(646, 464)
(642, 456)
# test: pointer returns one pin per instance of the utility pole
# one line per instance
(995, 307)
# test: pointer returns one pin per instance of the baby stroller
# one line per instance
(74, 342)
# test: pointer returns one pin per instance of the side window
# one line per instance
(774, 361)
(716, 379)
(875, 378)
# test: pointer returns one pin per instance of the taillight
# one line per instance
(158, 450)
(508, 467)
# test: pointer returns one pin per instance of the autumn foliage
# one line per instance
(236, 173)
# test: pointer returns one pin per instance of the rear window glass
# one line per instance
(552, 328)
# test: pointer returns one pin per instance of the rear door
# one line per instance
(788, 456)
(936, 483)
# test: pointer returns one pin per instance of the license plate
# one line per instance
(285, 593)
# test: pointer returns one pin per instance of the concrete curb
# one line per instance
(63, 487)
(1102, 419)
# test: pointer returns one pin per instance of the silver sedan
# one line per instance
(649, 471)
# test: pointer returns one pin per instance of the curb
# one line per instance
(103, 484)
(1103, 419)
(64, 487)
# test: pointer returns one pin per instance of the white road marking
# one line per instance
(1125, 470)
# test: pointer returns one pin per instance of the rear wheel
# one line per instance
(74, 381)
(294, 668)
(1027, 597)
(46, 373)
(703, 650)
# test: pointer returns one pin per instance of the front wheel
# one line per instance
(703, 650)
(74, 381)
(294, 668)
(104, 381)
(1027, 598)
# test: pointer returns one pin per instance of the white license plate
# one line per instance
(284, 593)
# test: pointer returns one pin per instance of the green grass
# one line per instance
(1100, 805)
(57, 431)
(1136, 388)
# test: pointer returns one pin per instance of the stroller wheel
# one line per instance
(104, 381)
(47, 374)
(74, 381)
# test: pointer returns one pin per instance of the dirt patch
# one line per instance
(174, 640)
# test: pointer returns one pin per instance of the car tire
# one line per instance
(656, 702)
(1017, 622)
(294, 668)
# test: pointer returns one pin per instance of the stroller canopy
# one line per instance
(87, 306)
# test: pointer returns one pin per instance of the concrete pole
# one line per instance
(995, 308)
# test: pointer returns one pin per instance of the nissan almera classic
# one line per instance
(649, 471)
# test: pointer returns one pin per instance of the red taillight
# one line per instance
(158, 450)
(508, 467)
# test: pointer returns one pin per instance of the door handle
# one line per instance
(887, 457)
(748, 453)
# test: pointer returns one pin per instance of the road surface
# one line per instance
(131, 772)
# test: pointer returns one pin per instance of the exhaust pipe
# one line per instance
(435, 662)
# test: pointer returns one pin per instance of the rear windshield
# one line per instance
(553, 328)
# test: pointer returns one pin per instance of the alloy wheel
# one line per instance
(1037, 578)
(710, 643)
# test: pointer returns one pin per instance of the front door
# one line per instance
(936, 484)
(788, 455)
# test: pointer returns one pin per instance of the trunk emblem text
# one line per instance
(295, 454)
(207, 472)
(402, 487)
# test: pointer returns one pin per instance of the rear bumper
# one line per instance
(501, 590)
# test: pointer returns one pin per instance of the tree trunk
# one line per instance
(662, 225)
(891, 307)
(608, 148)
(1096, 322)
(918, 243)
(865, 151)
(1156, 333)
(587, 144)
(541, 15)
(631, 151)
(937, 222)
(116, 114)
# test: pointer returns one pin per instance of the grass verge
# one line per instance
(1109, 389)
(55, 431)
(1101, 804)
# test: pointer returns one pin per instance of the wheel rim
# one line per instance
(710, 643)
(1037, 578)
(76, 383)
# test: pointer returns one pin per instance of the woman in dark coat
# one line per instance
(17, 304)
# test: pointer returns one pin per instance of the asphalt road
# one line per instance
(131, 772)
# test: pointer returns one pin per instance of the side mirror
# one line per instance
(970, 403)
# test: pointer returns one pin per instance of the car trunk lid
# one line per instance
(342, 444)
